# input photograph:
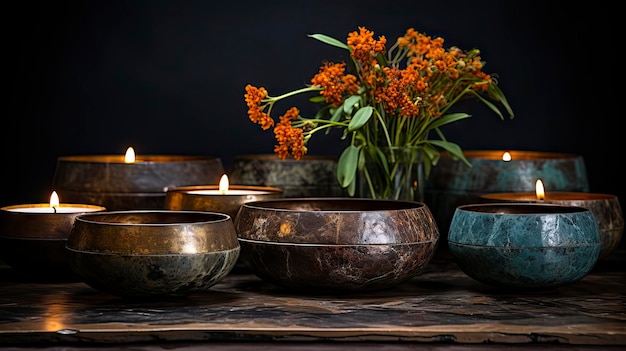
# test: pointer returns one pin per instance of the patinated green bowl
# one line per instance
(524, 245)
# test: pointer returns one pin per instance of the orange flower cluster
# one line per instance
(390, 98)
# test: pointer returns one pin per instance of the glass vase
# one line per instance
(395, 173)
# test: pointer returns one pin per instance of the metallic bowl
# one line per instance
(34, 243)
(108, 181)
(524, 245)
(152, 252)
(336, 244)
(192, 198)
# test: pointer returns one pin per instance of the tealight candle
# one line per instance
(33, 236)
(223, 198)
(605, 207)
(130, 181)
(53, 207)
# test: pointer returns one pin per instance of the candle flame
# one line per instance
(130, 155)
(506, 156)
(539, 191)
(54, 200)
(224, 184)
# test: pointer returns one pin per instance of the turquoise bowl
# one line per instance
(524, 245)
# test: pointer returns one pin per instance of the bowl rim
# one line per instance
(400, 205)
(529, 208)
(204, 217)
(320, 245)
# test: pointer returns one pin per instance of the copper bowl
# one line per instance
(336, 244)
(194, 198)
(152, 252)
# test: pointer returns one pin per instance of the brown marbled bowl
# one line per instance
(336, 244)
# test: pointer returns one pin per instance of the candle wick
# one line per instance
(54, 208)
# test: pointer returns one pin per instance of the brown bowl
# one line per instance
(336, 244)
(152, 252)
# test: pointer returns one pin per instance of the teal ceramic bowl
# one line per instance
(524, 245)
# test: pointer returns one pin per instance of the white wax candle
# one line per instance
(48, 209)
(228, 192)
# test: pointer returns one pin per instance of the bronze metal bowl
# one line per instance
(34, 243)
(152, 252)
(196, 198)
(336, 244)
(108, 181)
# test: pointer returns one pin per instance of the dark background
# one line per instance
(168, 77)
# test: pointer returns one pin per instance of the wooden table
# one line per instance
(440, 306)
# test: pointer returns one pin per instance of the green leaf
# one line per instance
(347, 166)
(336, 116)
(452, 148)
(497, 93)
(317, 99)
(360, 118)
(447, 119)
(349, 103)
(352, 187)
(330, 41)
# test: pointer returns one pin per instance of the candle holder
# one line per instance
(524, 245)
(210, 198)
(109, 181)
(605, 207)
(33, 238)
(311, 176)
(452, 183)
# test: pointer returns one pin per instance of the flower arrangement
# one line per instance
(389, 98)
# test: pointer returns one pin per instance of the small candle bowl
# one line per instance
(334, 245)
(524, 245)
(209, 198)
(109, 181)
(452, 183)
(311, 176)
(33, 237)
(152, 253)
(605, 207)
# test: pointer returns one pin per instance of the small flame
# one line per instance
(54, 200)
(130, 155)
(506, 156)
(224, 184)
(539, 191)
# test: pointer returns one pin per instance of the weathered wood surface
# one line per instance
(440, 305)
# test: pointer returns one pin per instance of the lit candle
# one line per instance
(506, 156)
(130, 181)
(224, 188)
(33, 236)
(605, 207)
(129, 156)
(54, 206)
(224, 198)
